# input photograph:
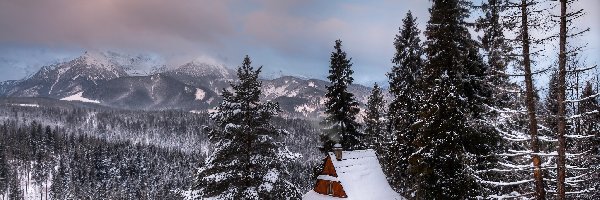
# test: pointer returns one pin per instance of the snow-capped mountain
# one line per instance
(102, 78)
(214, 77)
(7, 85)
(65, 79)
(134, 65)
(154, 92)
(304, 97)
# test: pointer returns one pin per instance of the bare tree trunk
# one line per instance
(540, 193)
(27, 169)
(562, 72)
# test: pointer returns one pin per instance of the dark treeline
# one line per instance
(123, 154)
(171, 128)
(83, 167)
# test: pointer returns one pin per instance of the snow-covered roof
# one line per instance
(361, 177)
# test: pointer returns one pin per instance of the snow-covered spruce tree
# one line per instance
(340, 107)
(3, 171)
(375, 122)
(406, 94)
(498, 50)
(43, 160)
(580, 158)
(548, 123)
(248, 162)
(550, 110)
(61, 187)
(589, 110)
(453, 141)
(15, 191)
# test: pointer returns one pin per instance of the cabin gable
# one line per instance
(327, 183)
(352, 175)
(329, 169)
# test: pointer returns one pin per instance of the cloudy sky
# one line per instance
(292, 37)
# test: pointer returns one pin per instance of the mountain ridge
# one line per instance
(193, 86)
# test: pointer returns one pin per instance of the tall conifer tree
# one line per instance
(452, 141)
(498, 50)
(403, 110)
(551, 104)
(248, 162)
(589, 108)
(16, 193)
(375, 122)
(340, 107)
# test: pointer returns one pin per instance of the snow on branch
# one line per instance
(513, 166)
(506, 183)
(584, 99)
(502, 170)
(507, 110)
(583, 114)
(547, 139)
(513, 153)
(512, 195)
(534, 73)
(579, 136)
(523, 137)
(587, 190)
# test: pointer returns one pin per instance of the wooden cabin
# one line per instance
(352, 175)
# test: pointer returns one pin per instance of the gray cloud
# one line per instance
(294, 36)
(136, 24)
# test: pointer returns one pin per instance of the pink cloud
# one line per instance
(153, 24)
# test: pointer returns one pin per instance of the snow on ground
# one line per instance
(200, 94)
(79, 97)
(189, 194)
(273, 91)
(311, 84)
(210, 100)
(32, 190)
(201, 60)
(100, 59)
(25, 105)
(60, 72)
(197, 112)
(211, 111)
(305, 108)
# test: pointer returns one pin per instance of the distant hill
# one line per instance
(110, 79)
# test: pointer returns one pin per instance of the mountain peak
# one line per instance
(206, 60)
(96, 58)
(199, 67)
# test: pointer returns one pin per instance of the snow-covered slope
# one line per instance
(6, 86)
(134, 65)
(304, 97)
(214, 77)
(79, 97)
(155, 92)
(65, 79)
(118, 80)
